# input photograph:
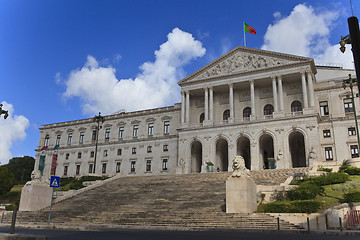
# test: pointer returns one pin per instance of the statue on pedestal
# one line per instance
(239, 168)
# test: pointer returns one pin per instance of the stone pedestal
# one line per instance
(35, 196)
(240, 195)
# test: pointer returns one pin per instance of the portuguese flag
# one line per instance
(54, 159)
(249, 29)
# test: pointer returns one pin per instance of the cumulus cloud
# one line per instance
(11, 129)
(156, 84)
(306, 32)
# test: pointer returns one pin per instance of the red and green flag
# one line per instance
(249, 29)
(42, 159)
(54, 159)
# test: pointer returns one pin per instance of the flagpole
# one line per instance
(244, 34)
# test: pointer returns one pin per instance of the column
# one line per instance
(281, 95)
(304, 91)
(252, 94)
(231, 102)
(311, 89)
(275, 94)
(187, 107)
(206, 104)
(211, 117)
(182, 106)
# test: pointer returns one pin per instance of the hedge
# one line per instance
(305, 191)
(301, 206)
(350, 170)
(352, 197)
(328, 179)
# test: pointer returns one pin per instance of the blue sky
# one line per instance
(67, 60)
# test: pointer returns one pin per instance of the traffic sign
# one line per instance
(54, 181)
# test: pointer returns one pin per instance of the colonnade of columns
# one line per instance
(278, 98)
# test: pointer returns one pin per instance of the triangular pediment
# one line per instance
(243, 60)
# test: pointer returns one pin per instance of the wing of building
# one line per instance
(274, 109)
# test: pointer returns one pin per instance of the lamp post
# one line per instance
(97, 119)
(350, 82)
(354, 39)
(6, 113)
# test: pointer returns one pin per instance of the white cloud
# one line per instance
(306, 32)
(156, 84)
(11, 129)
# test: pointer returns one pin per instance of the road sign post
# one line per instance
(54, 183)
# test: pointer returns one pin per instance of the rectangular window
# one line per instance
(79, 155)
(119, 152)
(93, 137)
(148, 165)
(103, 170)
(164, 164)
(151, 129)
(348, 105)
(81, 140)
(118, 164)
(328, 153)
(166, 127)
(121, 132)
(69, 138)
(352, 131)
(77, 169)
(105, 153)
(107, 134)
(326, 133)
(354, 151)
(132, 166)
(133, 150)
(324, 108)
(66, 170)
(58, 137)
(90, 168)
(92, 154)
(67, 156)
(149, 149)
(135, 130)
(165, 148)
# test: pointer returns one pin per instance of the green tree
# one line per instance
(21, 167)
(7, 180)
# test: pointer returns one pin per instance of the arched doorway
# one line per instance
(196, 157)
(222, 159)
(297, 149)
(243, 149)
(266, 143)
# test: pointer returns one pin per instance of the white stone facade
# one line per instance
(274, 109)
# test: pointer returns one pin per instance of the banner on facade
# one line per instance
(54, 159)
(42, 159)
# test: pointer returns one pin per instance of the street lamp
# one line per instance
(97, 119)
(350, 82)
(6, 113)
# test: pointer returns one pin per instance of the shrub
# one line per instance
(325, 169)
(352, 197)
(350, 170)
(10, 207)
(301, 206)
(305, 191)
(278, 196)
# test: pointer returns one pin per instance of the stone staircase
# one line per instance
(192, 200)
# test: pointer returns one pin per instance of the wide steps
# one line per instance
(193, 200)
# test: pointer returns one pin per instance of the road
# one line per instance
(172, 235)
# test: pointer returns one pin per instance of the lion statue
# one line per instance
(239, 168)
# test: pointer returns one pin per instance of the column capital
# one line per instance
(230, 84)
(205, 88)
(252, 81)
(279, 77)
(211, 88)
(302, 72)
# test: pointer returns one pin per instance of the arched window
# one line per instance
(46, 142)
(296, 106)
(268, 109)
(202, 117)
(247, 112)
(226, 114)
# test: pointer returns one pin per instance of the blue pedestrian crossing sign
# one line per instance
(54, 181)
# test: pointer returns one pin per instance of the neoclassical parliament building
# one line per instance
(274, 109)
